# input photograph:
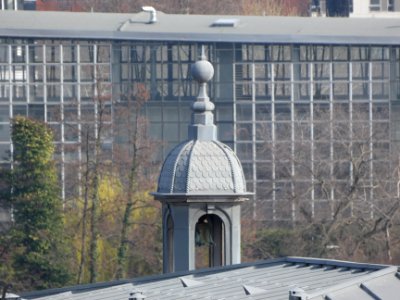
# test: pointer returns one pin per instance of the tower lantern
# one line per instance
(201, 187)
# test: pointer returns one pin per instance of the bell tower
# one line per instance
(201, 187)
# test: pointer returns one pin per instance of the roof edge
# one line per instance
(334, 262)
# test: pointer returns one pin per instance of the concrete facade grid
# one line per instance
(271, 102)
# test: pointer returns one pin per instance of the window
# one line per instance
(209, 242)
(390, 5)
(375, 5)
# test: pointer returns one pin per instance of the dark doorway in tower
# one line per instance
(210, 242)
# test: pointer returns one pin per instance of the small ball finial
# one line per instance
(202, 71)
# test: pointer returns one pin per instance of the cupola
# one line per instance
(201, 186)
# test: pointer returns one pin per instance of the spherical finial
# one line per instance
(202, 71)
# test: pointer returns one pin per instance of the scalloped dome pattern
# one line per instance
(201, 167)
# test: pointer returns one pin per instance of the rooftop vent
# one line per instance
(225, 23)
(10, 296)
(136, 296)
(297, 294)
(153, 13)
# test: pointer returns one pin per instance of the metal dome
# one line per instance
(204, 168)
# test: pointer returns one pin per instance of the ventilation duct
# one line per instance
(153, 13)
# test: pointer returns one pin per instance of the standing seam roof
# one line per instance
(270, 279)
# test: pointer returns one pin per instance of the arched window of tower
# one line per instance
(209, 242)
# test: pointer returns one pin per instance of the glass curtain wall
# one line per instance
(296, 115)
(62, 83)
(304, 115)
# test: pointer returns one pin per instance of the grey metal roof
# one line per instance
(201, 168)
(197, 28)
(269, 279)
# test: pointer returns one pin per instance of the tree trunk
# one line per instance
(94, 231)
(140, 98)
(84, 215)
(388, 244)
(123, 246)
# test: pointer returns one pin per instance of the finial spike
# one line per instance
(202, 126)
(203, 53)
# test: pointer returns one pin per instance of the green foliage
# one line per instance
(145, 238)
(144, 247)
(37, 233)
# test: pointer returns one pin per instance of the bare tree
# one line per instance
(100, 99)
(140, 152)
(274, 8)
(338, 180)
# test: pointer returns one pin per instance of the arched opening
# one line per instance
(170, 243)
(209, 242)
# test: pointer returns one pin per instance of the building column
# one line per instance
(396, 5)
(384, 5)
(360, 7)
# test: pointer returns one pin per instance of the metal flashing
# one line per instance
(61, 296)
(369, 291)
(251, 290)
(187, 282)
(383, 286)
